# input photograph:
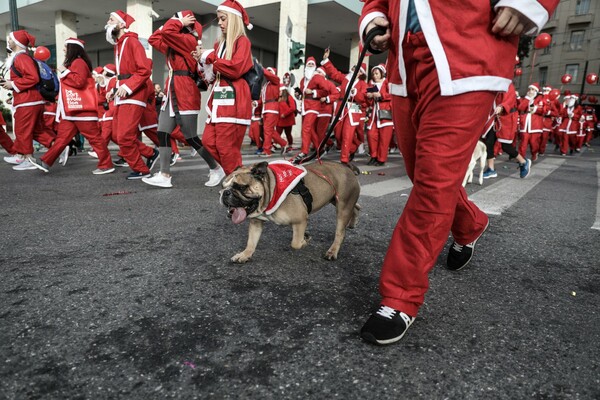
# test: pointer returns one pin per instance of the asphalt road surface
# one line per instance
(111, 289)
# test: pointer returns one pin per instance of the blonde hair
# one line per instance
(235, 29)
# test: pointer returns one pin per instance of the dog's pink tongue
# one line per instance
(239, 215)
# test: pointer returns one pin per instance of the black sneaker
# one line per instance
(386, 326)
(120, 163)
(138, 175)
(460, 255)
(152, 160)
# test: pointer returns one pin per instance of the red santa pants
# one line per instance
(27, 121)
(125, 126)
(437, 135)
(254, 133)
(309, 132)
(270, 134)
(531, 139)
(224, 143)
(5, 141)
(349, 138)
(379, 141)
(67, 131)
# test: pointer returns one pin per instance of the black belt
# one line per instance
(124, 76)
(303, 191)
(271, 101)
(181, 72)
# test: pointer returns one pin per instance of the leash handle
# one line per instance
(377, 31)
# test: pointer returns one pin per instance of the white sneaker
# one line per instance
(215, 176)
(16, 159)
(102, 171)
(193, 153)
(64, 156)
(25, 165)
(361, 148)
(158, 179)
(93, 154)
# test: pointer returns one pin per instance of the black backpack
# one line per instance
(48, 85)
(255, 77)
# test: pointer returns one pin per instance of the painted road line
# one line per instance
(385, 187)
(496, 198)
(597, 223)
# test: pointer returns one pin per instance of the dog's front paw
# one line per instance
(241, 258)
(331, 255)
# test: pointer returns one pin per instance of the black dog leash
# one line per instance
(377, 31)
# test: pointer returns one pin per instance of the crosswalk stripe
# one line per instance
(385, 187)
(498, 197)
(597, 222)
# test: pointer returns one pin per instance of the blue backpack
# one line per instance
(48, 85)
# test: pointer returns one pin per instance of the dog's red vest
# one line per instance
(287, 176)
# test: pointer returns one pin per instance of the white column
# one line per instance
(141, 11)
(293, 16)
(65, 26)
(355, 51)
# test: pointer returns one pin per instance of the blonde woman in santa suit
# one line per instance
(76, 73)
(380, 129)
(229, 104)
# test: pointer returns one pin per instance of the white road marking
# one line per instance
(385, 187)
(597, 222)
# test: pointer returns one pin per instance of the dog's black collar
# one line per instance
(303, 191)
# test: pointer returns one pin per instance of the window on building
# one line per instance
(572, 69)
(576, 40)
(543, 76)
(582, 7)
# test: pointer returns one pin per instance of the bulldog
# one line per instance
(286, 194)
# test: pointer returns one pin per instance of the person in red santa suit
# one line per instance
(256, 122)
(581, 133)
(502, 129)
(353, 116)
(446, 62)
(532, 108)
(328, 102)
(75, 75)
(312, 87)
(549, 115)
(570, 117)
(27, 103)
(589, 124)
(270, 112)
(229, 104)
(130, 94)
(5, 141)
(287, 112)
(380, 125)
(177, 39)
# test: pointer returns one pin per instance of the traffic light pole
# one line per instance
(14, 15)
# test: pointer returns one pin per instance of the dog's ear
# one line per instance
(259, 171)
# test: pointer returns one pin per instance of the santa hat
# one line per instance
(311, 60)
(567, 93)
(380, 67)
(235, 8)
(22, 39)
(197, 29)
(110, 68)
(546, 88)
(363, 68)
(272, 70)
(321, 71)
(535, 86)
(123, 18)
(75, 41)
(97, 71)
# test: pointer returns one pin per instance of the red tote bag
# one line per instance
(78, 100)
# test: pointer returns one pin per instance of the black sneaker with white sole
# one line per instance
(386, 326)
(459, 255)
(137, 175)
(120, 163)
(152, 160)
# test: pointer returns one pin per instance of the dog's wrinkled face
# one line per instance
(243, 192)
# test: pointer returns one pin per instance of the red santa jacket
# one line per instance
(508, 120)
(382, 103)
(532, 111)
(24, 90)
(270, 93)
(311, 103)
(229, 99)
(327, 106)
(172, 36)
(111, 85)
(590, 119)
(468, 57)
(133, 69)
(79, 76)
(570, 120)
(101, 92)
(357, 101)
(287, 112)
